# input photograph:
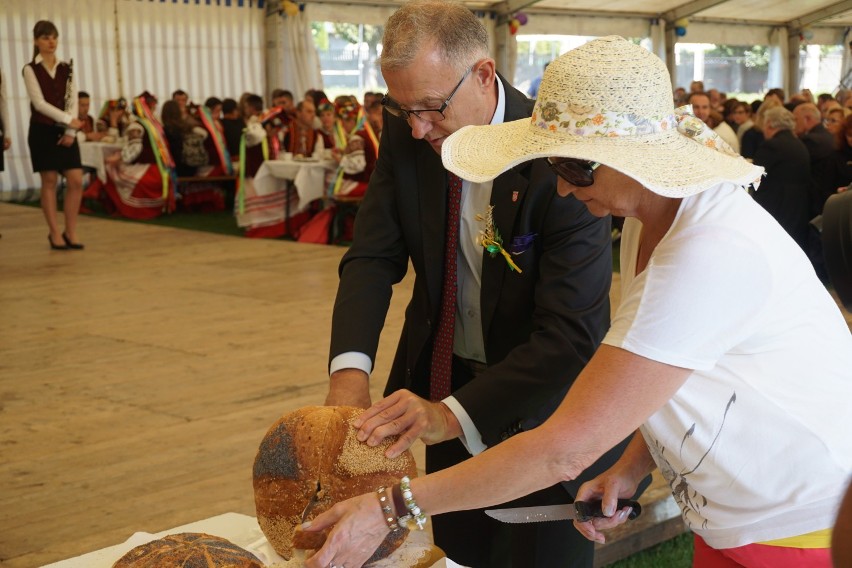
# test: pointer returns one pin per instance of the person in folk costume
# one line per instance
(302, 139)
(214, 143)
(143, 109)
(4, 122)
(348, 113)
(358, 160)
(328, 123)
(52, 133)
(259, 215)
(134, 180)
(113, 119)
(344, 129)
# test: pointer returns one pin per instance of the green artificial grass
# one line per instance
(674, 553)
(219, 222)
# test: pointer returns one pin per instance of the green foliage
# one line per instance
(350, 32)
(756, 56)
(320, 35)
(674, 553)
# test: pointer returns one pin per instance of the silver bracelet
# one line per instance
(419, 516)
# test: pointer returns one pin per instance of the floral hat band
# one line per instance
(550, 117)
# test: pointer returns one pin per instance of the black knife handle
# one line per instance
(588, 510)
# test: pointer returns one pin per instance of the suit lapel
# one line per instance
(507, 197)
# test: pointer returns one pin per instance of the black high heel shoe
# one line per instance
(55, 246)
(70, 245)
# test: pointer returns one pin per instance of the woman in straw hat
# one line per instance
(727, 357)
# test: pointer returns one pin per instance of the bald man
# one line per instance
(820, 144)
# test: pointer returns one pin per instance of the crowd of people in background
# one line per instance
(229, 138)
(804, 142)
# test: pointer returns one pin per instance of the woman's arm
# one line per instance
(612, 397)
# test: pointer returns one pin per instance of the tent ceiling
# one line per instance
(777, 12)
(794, 13)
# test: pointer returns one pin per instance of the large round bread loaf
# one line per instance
(310, 460)
(198, 550)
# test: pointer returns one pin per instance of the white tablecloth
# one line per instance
(242, 530)
(308, 178)
(92, 155)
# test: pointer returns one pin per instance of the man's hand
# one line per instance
(349, 387)
(7, 143)
(410, 417)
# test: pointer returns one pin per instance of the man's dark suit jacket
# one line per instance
(821, 147)
(540, 327)
(784, 192)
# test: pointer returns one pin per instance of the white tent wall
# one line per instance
(292, 61)
(124, 47)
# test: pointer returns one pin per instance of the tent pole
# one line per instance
(793, 45)
(121, 92)
(671, 62)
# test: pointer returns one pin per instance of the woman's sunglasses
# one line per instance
(579, 173)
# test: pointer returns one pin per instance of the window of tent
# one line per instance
(348, 54)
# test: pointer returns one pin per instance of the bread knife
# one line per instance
(578, 510)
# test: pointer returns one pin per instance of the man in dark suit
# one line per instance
(821, 146)
(784, 190)
(517, 338)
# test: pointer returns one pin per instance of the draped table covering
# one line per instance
(281, 189)
(242, 530)
(93, 154)
(308, 178)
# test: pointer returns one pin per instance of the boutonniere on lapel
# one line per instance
(490, 239)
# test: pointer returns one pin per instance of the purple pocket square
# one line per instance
(522, 243)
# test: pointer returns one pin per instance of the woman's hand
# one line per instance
(76, 124)
(66, 140)
(607, 488)
(7, 143)
(359, 529)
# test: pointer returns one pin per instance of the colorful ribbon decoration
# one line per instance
(158, 143)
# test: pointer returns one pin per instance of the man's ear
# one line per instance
(485, 72)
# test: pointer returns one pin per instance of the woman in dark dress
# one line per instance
(52, 133)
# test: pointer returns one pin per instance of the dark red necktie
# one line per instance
(442, 350)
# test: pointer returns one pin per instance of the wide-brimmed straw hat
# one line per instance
(608, 101)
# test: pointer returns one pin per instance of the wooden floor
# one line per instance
(137, 377)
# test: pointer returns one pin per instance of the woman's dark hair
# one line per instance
(43, 28)
(173, 119)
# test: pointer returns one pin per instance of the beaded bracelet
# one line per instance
(385, 504)
(411, 504)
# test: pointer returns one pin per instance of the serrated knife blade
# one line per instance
(579, 510)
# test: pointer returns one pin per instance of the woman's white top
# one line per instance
(757, 444)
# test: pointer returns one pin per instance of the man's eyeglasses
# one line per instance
(427, 115)
(579, 173)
